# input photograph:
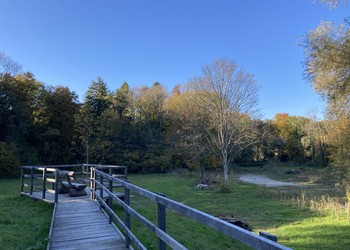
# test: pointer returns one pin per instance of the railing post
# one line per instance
(22, 179)
(44, 183)
(57, 176)
(161, 224)
(127, 214)
(268, 236)
(110, 200)
(83, 173)
(101, 189)
(92, 183)
(31, 180)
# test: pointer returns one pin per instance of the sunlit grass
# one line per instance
(295, 225)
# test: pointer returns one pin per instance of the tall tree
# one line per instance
(188, 122)
(328, 68)
(97, 97)
(8, 65)
(55, 120)
(149, 104)
(228, 96)
(97, 101)
(18, 96)
(328, 65)
(121, 100)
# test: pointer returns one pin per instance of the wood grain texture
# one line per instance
(80, 224)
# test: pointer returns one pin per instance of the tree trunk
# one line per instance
(323, 153)
(313, 152)
(225, 164)
(202, 168)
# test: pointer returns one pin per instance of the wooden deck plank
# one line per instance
(80, 224)
(85, 241)
(77, 234)
(88, 243)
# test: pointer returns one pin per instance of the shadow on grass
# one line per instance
(24, 223)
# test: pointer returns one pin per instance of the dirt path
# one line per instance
(265, 181)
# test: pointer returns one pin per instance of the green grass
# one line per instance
(284, 212)
(292, 221)
(24, 223)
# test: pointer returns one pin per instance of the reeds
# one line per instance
(337, 207)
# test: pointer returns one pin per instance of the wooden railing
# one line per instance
(45, 176)
(102, 185)
(37, 181)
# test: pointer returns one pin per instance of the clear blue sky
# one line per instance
(70, 43)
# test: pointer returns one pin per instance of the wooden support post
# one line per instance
(101, 190)
(161, 224)
(92, 183)
(126, 172)
(31, 180)
(110, 200)
(22, 179)
(82, 173)
(268, 236)
(57, 176)
(44, 184)
(127, 215)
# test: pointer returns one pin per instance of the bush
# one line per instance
(9, 162)
(224, 188)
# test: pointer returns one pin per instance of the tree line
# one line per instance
(210, 122)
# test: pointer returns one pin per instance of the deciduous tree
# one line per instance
(228, 96)
(328, 65)
(54, 120)
(189, 124)
(8, 65)
(328, 68)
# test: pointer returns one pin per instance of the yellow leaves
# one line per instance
(328, 64)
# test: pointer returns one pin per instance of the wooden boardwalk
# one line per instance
(79, 223)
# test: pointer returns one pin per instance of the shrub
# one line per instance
(9, 162)
(224, 188)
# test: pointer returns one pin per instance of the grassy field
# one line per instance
(24, 223)
(299, 222)
(308, 217)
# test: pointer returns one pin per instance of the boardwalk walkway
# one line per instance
(80, 224)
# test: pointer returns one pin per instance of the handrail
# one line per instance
(99, 166)
(56, 166)
(156, 230)
(246, 237)
(50, 174)
(41, 176)
(98, 178)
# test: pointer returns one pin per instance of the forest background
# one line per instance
(144, 128)
(151, 130)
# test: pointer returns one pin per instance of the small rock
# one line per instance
(201, 186)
